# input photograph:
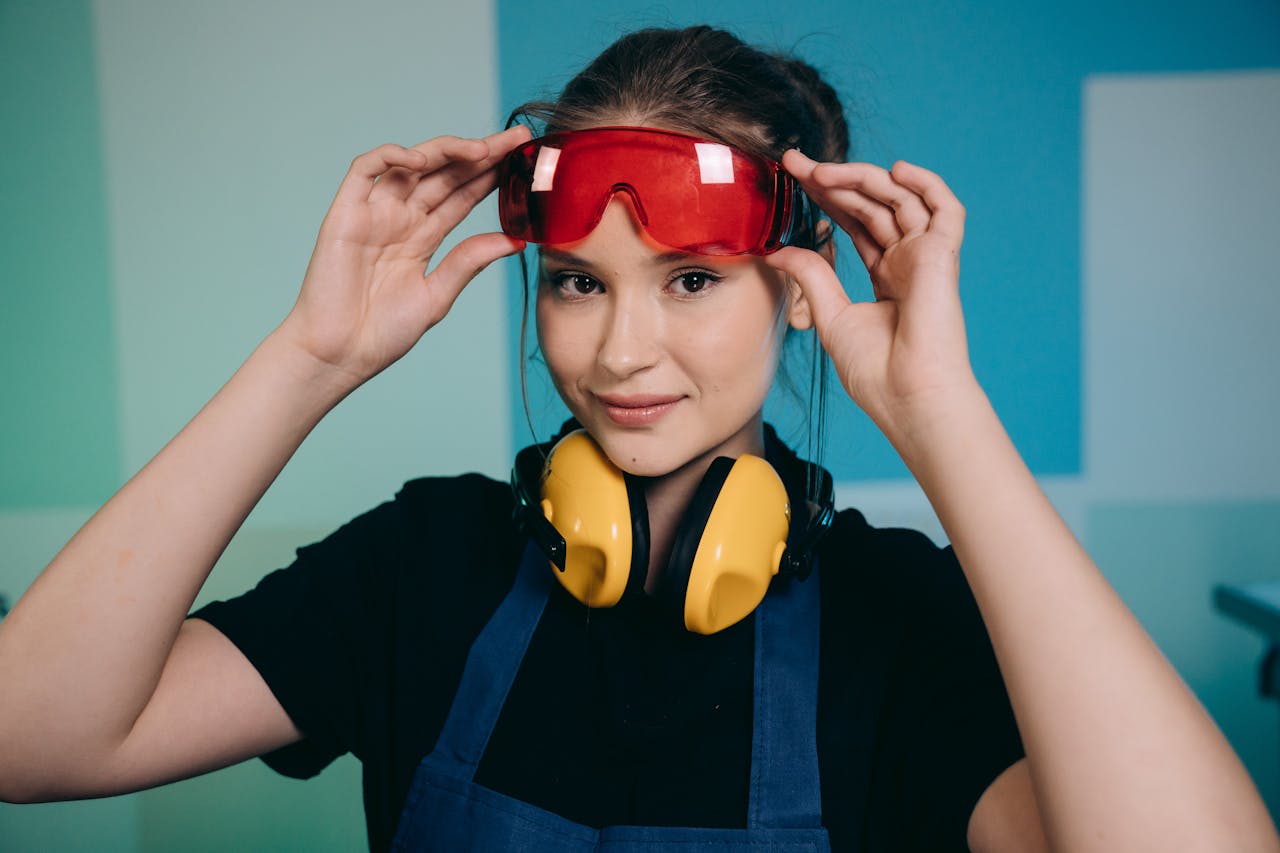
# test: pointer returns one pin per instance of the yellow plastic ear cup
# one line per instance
(740, 549)
(585, 497)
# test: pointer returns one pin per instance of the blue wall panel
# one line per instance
(989, 96)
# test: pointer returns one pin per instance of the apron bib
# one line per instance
(447, 811)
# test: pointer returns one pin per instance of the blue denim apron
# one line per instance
(447, 811)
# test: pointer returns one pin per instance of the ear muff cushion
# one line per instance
(740, 549)
(684, 547)
(584, 495)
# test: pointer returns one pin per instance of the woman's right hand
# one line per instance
(367, 297)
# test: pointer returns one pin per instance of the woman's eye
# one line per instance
(694, 282)
(575, 284)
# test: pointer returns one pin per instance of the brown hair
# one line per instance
(706, 82)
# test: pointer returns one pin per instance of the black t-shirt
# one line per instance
(616, 715)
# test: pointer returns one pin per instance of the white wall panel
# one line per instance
(1182, 288)
(227, 128)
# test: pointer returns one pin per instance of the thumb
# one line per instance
(466, 260)
(818, 283)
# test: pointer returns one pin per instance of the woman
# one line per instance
(614, 716)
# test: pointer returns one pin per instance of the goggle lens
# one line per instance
(696, 195)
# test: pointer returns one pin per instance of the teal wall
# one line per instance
(1164, 559)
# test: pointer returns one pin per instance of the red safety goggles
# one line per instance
(696, 195)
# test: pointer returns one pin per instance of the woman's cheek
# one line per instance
(557, 357)
(552, 335)
(740, 339)
(567, 358)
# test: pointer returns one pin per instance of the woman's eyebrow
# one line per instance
(563, 257)
(672, 257)
(573, 260)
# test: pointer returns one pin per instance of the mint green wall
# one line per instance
(59, 407)
(165, 168)
(249, 806)
(59, 434)
(94, 826)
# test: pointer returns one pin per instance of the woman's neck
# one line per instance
(668, 497)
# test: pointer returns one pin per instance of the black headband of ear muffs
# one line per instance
(820, 514)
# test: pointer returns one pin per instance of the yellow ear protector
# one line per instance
(590, 519)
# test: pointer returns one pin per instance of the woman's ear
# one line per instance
(798, 314)
(826, 241)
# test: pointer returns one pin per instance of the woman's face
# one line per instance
(666, 358)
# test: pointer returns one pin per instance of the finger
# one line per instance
(503, 141)
(466, 260)
(441, 150)
(800, 165)
(434, 188)
(817, 281)
(835, 188)
(395, 183)
(853, 209)
(909, 208)
(453, 209)
(476, 149)
(947, 212)
(442, 154)
(867, 248)
(355, 187)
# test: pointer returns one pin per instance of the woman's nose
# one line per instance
(630, 339)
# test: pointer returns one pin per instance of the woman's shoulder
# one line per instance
(851, 535)
(469, 495)
(461, 503)
(888, 563)
(431, 522)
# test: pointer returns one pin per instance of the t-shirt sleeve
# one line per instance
(952, 718)
(308, 630)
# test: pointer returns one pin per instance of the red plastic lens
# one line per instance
(695, 195)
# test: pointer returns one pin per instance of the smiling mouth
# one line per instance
(638, 410)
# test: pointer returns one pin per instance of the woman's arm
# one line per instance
(106, 688)
(1120, 754)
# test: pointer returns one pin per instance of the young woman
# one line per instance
(869, 704)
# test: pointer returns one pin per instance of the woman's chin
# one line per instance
(670, 449)
(640, 457)
(652, 470)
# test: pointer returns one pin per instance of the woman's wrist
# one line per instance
(328, 382)
(921, 426)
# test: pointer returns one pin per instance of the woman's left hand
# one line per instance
(1046, 607)
(905, 354)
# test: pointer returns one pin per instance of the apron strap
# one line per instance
(491, 668)
(785, 788)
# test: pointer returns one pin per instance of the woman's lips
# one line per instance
(638, 410)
